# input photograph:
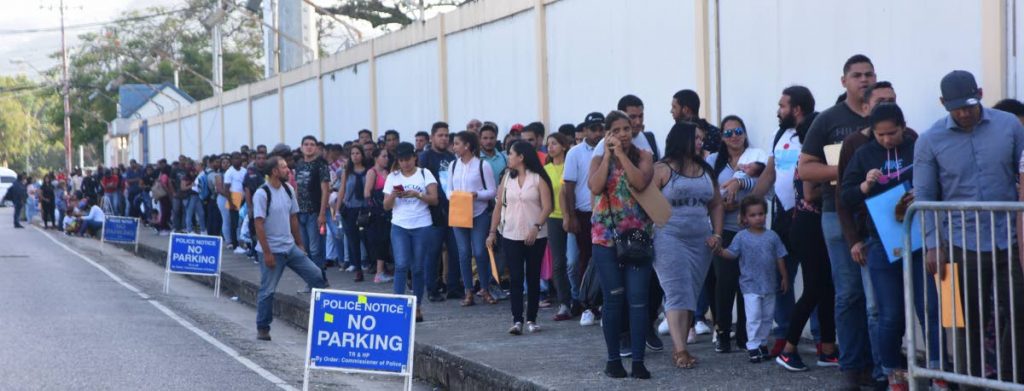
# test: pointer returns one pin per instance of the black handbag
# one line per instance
(634, 247)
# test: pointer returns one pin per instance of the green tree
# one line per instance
(27, 138)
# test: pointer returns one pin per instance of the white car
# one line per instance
(7, 178)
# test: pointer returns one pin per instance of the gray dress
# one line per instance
(681, 257)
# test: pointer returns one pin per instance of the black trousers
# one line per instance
(809, 247)
(519, 257)
(727, 291)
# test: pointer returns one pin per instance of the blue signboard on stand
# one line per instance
(194, 254)
(361, 332)
(117, 229)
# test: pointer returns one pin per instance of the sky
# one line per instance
(36, 48)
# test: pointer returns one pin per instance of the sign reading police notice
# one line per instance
(361, 332)
(118, 229)
(194, 254)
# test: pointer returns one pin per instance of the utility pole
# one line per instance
(67, 97)
(218, 54)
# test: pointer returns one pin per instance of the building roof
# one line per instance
(133, 97)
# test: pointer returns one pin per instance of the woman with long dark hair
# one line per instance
(521, 213)
(624, 288)
(558, 145)
(734, 151)
(352, 199)
(470, 174)
(380, 219)
(683, 247)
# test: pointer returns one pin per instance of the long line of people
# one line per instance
(564, 213)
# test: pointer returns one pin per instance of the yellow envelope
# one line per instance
(949, 297)
(237, 198)
(494, 266)
(460, 209)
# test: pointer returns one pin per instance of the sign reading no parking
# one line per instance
(361, 332)
(194, 254)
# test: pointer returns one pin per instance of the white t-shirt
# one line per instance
(640, 140)
(277, 219)
(410, 213)
(234, 178)
(95, 214)
(786, 153)
(577, 169)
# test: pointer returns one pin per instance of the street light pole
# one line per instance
(67, 93)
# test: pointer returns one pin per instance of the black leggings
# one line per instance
(818, 289)
(519, 256)
(727, 291)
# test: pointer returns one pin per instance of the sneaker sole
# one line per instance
(655, 348)
(778, 360)
(827, 364)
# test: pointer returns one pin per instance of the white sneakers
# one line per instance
(702, 328)
(587, 319)
(692, 337)
(239, 250)
(663, 327)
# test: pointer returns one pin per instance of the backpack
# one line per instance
(266, 189)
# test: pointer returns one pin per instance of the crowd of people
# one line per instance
(566, 218)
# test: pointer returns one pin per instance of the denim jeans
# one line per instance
(404, 243)
(851, 305)
(871, 306)
(622, 286)
(572, 257)
(356, 237)
(213, 217)
(887, 279)
(225, 221)
(293, 259)
(312, 239)
(557, 239)
(18, 207)
(784, 303)
(442, 236)
(332, 241)
(472, 244)
(177, 209)
(195, 208)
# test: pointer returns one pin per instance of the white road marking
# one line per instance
(184, 323)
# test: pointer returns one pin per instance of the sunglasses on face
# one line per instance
(733, 132)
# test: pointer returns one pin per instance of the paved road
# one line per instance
(66, 324)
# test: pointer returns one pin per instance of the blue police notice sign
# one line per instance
(364, 332)
(194, 254)
(118, 229)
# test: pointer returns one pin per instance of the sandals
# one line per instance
(468, 301)
(684, 360)
(487, 298)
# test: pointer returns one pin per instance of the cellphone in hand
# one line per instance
(399, 188)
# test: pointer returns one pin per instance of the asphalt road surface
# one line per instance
(82, 316)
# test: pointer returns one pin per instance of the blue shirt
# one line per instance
(498, 163)
(951, 164)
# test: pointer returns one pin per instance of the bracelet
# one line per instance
(716, 236)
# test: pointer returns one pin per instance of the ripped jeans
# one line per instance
(622, 286)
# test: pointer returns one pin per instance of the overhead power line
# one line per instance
(94, 24)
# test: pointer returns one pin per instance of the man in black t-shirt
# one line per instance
(437, 159)
(253, 180)
(313, 180)
(853, 302)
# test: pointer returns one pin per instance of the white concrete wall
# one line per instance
(599, 50)
(407, 89)
(912, 44)
(489, 81)
(211, 133)
(236, 126)
(346, 102)
(266, 127)
(301, 111)
(190, 136)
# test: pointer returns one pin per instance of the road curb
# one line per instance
(431, 363)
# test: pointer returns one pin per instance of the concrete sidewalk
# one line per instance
(469, 348)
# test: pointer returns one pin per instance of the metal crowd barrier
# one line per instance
(981, 302)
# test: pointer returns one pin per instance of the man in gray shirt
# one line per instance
(972, 155)
(280, 244)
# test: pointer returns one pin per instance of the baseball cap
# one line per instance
(959, 90)
(593, 119)
(516, 128)
(404, 150)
